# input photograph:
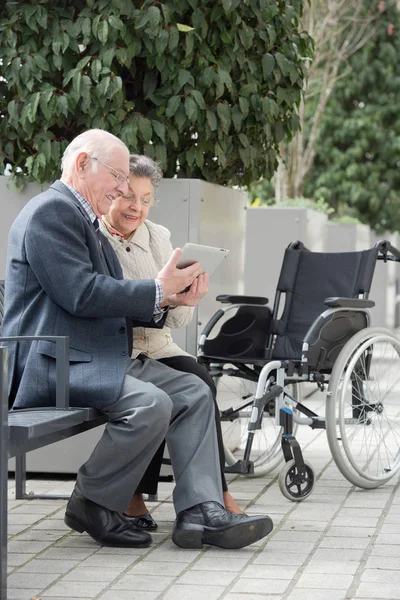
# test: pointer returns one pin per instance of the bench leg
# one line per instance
(3, 472)
(20, 477)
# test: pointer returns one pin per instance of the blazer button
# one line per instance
(128, 249)
(122, 329)
(124, 353)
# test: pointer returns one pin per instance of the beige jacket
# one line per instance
(142, 257)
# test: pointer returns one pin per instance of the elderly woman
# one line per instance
(143, 248)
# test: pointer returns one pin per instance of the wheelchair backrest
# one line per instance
(307, 279)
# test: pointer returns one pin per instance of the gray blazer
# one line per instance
(63, 278)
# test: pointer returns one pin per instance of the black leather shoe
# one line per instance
(143, 521)
(105, 526)
(210, 523)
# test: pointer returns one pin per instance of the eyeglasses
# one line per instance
(119, 177)
(144, 201)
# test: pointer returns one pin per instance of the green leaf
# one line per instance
(115, 22)
(102, 32)
(184, 28)
(107, 57)
(224, 113)
(208, 76)
(96, 69)
(56, 46)
(173, 135)
(198, 96)
(76, 81)
(172, 106)
(154, 16)
(41, 62)
(184, 77)
(103, 86)
(212, 120)
(145, 128)
(237, 118)
(173, 38)
(191, 108)
(268, 63)
(283, 63)
(225, 78)
(244, 106)
(142, 20)
(227, 5)
(83, 62)
(279, 131)
(149, 83)
(162, 41)
(86, 29)
(159, 129)
(62, 104)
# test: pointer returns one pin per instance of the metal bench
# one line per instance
(28, 429)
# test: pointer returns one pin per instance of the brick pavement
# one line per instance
(341, 543)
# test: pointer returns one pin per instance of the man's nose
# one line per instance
(123, 187)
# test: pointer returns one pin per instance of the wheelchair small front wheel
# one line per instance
(296, 487)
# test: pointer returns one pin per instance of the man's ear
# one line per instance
(81, 163)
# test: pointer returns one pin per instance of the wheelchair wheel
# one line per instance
(266, 452)
(363, 408)
(294, 487)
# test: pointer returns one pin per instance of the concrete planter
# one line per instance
(269, 230)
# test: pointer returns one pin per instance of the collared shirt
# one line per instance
(158, 311)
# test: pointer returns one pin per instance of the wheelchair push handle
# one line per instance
(387, 251)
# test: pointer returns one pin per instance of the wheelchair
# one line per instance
(318, 331)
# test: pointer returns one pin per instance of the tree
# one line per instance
(207, 87)
(339, 29)
(358, 154)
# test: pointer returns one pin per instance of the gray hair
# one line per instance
(143, 166)
(99, 142)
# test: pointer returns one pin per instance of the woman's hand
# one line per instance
(195, 293)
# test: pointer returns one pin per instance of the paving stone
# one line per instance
(330, 581)
(140, 582)
(269, 572)
(114, 594)
(48, 566)
(313, 594)
(219, 578)
(74, 589)
(188, 592)
(381, 591)
(260, 586)
(31, 580)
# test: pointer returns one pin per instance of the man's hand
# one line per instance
(192, 297)
(175, 280)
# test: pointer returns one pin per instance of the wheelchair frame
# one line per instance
(272, 376)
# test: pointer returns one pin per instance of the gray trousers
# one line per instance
(156, 402)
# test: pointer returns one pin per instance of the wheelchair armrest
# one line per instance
(228, 299)
(349, 303)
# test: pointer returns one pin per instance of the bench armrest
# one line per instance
(228, 299)
(62, 363)
(349, 303)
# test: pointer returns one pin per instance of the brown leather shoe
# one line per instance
(105, 526)
(210, 523)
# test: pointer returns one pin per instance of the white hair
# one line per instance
(96, 142)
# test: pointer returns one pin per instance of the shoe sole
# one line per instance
(76, 525)
(193, 536)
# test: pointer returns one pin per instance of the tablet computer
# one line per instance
(208, 256)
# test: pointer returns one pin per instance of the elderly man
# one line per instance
(63, 278)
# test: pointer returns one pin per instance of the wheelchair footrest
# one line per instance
(243, 467)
